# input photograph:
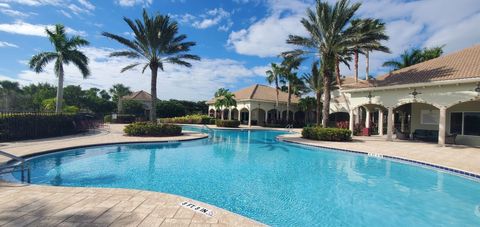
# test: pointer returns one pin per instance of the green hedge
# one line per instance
(227, 123)
(121, 119)
(189, 119)
(151, 129)
(22, 126)
(327, 134)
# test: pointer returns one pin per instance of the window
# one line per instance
(465, 123)
(456, 123)
(471, 123)
(429, 117)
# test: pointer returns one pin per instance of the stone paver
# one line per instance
(103, 207)
(454, 156)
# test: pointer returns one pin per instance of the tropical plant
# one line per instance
(221, 92)
(9, 89)
(119, 90)
(327, 28)
(66, 51)
(157, 42)
(289, 77)
(369, 33)
(307, 105)
(273, 76)
(227, 100)
(414, 56)
(314, 82)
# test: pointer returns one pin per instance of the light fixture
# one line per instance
(369, 96)
(415, 93)
(477, 89)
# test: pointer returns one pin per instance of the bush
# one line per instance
(133, 107)
(22, 126)
(151, 129)
(107, 119)
(190, 119)
(227, 123)
(327, 134)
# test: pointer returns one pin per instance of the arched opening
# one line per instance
(463, 123)
(244, 116)
(299, 117)
(226, 113)
(211, 113)
(284, 116)
(338, 120)
(418, 121)
(369, 119)
(272, 116)
(218, 114)
(258, 116)
(235, 114)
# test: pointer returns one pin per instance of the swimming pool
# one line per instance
(277, 183)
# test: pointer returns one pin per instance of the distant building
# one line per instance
(141, 96)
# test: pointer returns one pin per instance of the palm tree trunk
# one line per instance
(337, 72)
(356, 65)
(367, 65)
(326, 97)
(319, 108)
(288, 102)
(153, 90)
(276, 99)
(59, 101)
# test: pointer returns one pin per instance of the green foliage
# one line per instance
(152, 129)
(190, 119)
(32, 126)
(227, 123)
(133, 107)
(119, 90)
(414, 56)
(170, 109)
(107, 119)
(49, 105)
(327, 134)
(71, 109)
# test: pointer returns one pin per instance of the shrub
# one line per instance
(151, 129)
(227, 123)
(133, 107)
(327, 134)
(107, 119)
(189, 119)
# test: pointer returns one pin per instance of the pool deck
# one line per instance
(456, 157)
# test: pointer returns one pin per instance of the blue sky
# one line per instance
(236, 39)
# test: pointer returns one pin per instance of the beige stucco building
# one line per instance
(438, 98)
(256, 105)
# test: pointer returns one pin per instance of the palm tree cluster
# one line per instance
(414, 56)
(224, 99)
(334, 36)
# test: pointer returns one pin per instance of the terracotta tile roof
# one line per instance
(138, 95)
(463, 64)
(261, 93)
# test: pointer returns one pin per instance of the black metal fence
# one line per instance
(32, 125)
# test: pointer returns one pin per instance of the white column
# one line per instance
(380, 122)
(442, 126)
(240, 115)
(402, 122)
(229, 114)
(266, 117)
(367, 119)
(390, 124)
(249, 118)
(351, 121)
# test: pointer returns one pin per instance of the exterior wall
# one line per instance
(416, 118)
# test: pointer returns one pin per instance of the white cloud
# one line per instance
(35, 2)
(208, 19)
(13, 13)
(129, 3)
(7, 44)
(84, 7)
(196, 83)
(24, 28)
(87, 4)
(65, 13)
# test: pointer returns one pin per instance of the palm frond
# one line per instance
(128, 67)
(39, 61)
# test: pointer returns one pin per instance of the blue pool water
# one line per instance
(280, 184)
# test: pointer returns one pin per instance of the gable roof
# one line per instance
(463, 64)
(138, 95)
(260, 92)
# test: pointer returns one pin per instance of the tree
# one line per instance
(221, 92)
(119, 90)
(66, 52)
(289, 77)
(170, 108)
(36, 93)
(156, 41)
(414, 56)
(133, 107)
(9, 89)
(314, 82)
(327, 36)
(368, 34)
(307, 104)
(74, 96)
(225, 101)
(273, 76)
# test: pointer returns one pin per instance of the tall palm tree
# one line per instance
(273, 76)
(156, 41)
(307, 104)
(314, 82)
(66, 51)
(221, 92)
(9, 90)
(289, 77)
(369, 33)
(377, 29)
(327, 28)
(229, 101)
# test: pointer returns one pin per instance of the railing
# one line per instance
(24, 167)
(208, 128)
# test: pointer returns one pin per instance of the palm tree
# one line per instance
(289, 77)
(65, 52)
(368, 36)
(327, 27)
(314, 82)
(221, 92)
(229, 101)
(224, 99)
(377, 30)
(9, 89)
(414, 56)
(307, 104)
(156, 42)
(273, 76)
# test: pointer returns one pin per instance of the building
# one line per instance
(438, 99)
(140, 96)
(256, 105)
